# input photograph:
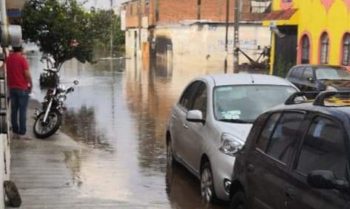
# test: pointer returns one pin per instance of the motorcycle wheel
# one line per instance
(43, 130)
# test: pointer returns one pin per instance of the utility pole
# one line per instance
(112, 28)
(236, 36)
(226, 33)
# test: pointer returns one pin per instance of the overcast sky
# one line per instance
(103, 4)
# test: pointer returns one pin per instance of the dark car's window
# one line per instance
(292, 73)
(283, 139)
(332, 73)
(308, 73)
(323, 148)
(200, 99)
(186, 98)
(267, 131)
(298, 72)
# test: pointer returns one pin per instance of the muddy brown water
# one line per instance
(119, 112)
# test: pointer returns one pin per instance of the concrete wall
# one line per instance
(202, 43)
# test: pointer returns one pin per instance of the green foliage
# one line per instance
(55, 24)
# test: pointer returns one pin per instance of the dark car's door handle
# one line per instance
(250, 167)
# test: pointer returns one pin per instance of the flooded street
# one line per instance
(118, 112)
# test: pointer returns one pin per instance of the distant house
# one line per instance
(308, 31)
(193, 30)
(14, 10)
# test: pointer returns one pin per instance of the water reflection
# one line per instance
(82, 126)
(120, 110)
(183, 190)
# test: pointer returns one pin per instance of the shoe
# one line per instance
(24, 137)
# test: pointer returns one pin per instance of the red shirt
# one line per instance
(16, 65)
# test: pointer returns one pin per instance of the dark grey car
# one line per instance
(296, 157)
(319, 77)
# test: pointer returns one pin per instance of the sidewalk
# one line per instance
(43, 171)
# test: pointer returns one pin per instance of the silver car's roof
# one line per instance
(245, 79)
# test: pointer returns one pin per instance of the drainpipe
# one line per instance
(226, 32)
(236, 36)
(4, 24)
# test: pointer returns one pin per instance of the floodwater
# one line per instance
(118, 112)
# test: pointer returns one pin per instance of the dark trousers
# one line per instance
(19, 102)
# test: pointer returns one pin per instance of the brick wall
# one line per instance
(215, 10)
(175, 11)
(15, 4)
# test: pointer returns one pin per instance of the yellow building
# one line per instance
(309, 31)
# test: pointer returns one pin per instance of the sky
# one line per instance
(103, 4)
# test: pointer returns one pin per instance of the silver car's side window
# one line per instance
(186, 98)
(200, 100)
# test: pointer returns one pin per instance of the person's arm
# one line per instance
(29, 79)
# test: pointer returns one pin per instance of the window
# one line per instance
(346, 50)
(324, 50)
(267, 131)
(247, 102)
(200, 100)
(298, 72)
(308, 73)
(282, 141)
(332, 73)
(186, 98)
(305, 50)
(323, 148)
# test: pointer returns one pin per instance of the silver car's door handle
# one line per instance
(173, 116)
(185, 126)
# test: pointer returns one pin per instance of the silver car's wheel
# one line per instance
(207, 183)
(170, 155)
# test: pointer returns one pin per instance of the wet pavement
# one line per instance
(117, 117)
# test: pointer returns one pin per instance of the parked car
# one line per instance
(296, 157)
(211, 121)
(319, 77)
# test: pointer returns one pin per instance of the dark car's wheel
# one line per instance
(238, 201)
(207, 183)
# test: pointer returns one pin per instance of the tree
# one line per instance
(64, 29)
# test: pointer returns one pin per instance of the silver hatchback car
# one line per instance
(211, 122)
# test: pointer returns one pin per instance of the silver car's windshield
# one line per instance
(243, 104)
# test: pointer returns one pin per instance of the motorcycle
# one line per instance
(48, 118)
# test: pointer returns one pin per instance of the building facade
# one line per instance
(14, 8)
(193, 31)
(316, 32)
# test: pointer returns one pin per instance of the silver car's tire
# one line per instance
(207, 183)
(170, 154)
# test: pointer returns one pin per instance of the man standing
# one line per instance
(20, 84)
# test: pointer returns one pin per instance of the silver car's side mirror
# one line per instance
(195, 116)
